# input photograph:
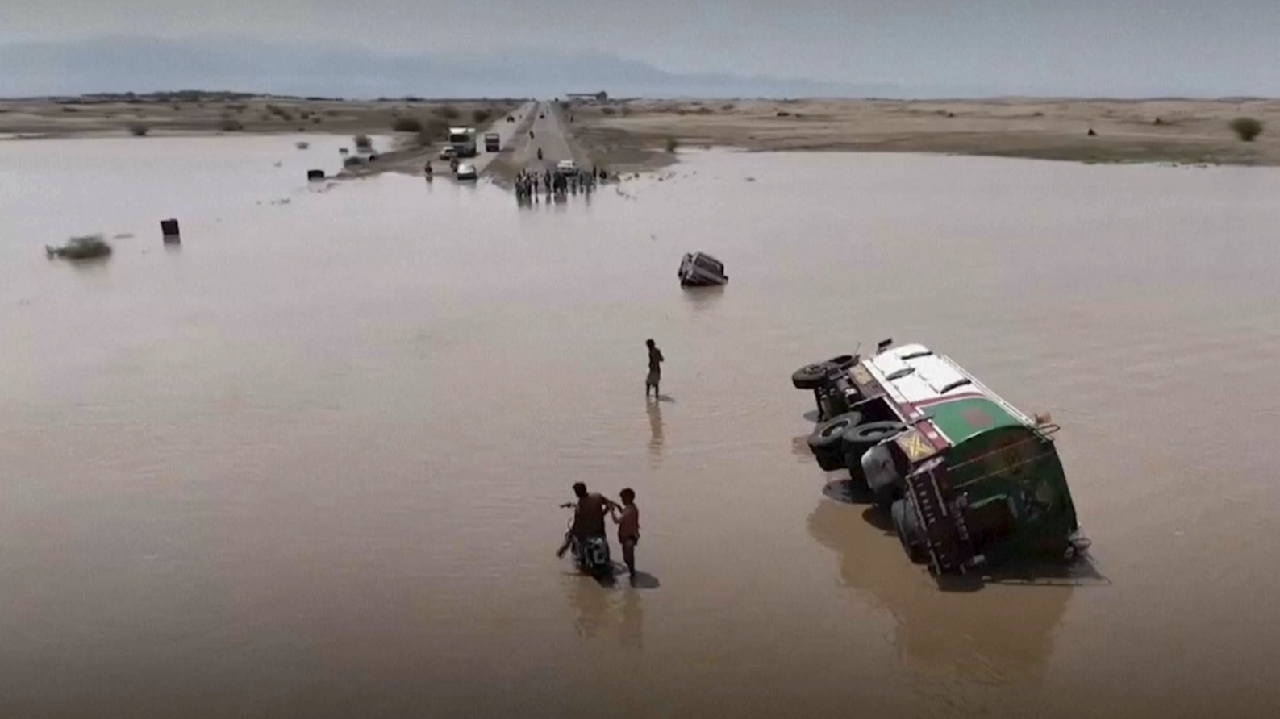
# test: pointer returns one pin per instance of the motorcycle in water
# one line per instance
(590, 555)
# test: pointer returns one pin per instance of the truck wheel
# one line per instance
(907, 527)
(826, 443)
(857, 440)
(810, 376)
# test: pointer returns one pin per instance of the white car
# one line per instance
(566, 167)
(447, 153)
(466, 171)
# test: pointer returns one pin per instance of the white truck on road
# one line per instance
(463, 141)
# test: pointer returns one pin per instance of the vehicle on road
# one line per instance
(566, 167)
(698, 269)
(448, 153)
(465, 171)
(510, 119)
(492, 142)
(542, 115)
(463, 141)
(969, 480)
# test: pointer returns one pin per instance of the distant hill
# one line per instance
(134, 64)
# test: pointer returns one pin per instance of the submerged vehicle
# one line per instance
(465, 171)
(492, 142)
(969, 480)
(590, 556)
(698, 269)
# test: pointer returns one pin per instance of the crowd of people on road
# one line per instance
(549, 182)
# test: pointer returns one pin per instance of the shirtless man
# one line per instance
(627, 517)
(588, 516)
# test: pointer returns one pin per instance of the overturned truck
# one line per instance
(968, 479)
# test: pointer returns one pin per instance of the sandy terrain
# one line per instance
(68, 118)
(635, 134)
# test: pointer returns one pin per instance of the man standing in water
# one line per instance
(655, 369)
(588, 516)
(628, 520)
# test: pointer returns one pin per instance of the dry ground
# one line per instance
(635, 134)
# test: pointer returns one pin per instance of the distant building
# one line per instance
(601, 96)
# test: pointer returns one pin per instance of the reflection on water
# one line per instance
(981, 636)
(329, 437)
(702, 299)
(654, 409)
(607, 610)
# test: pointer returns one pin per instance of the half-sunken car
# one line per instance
(969, 480)
(698, 269)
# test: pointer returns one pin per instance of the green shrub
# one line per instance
(230, 124)
(448, 112)
(139, 130)
(672, 144)
(363, 142)
(432, 131)
(1246, 128)
(406, 124)
(481, 116)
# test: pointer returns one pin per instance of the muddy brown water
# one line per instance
(308, 462)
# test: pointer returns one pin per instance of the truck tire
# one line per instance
(826, 443)
(810, 376)
(857, 440)
(907, 526)
(883, 475)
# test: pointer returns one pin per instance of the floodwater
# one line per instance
(308, 462)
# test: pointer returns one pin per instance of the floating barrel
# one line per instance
(169, 228)
(315, 175)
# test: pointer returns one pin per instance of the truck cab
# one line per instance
(463, 141)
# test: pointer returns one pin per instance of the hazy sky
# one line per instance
(1014, 46)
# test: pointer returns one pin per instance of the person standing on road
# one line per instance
(655, 369)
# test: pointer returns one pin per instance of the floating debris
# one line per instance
(302, 145)
(81, 248)
(315, 175)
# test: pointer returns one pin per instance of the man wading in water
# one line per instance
(655, 369)
(588, 516)
(627, 517)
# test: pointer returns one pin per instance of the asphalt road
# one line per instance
(549, 135)
(507, 133)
